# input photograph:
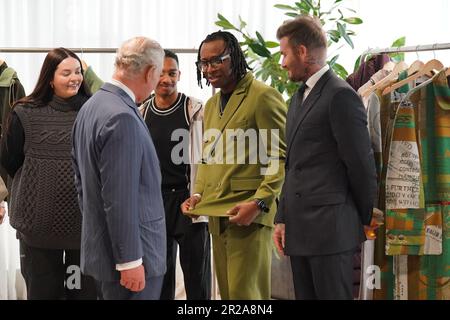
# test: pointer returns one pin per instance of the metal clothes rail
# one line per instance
(428, 47)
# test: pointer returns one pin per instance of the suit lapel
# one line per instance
(232, 106)
(306, 107)
(235, 101)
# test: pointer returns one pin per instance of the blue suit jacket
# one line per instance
(118, 180)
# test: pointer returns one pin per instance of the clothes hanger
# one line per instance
(389, 66)
(429, 69)
(399, 67)
(416, 65)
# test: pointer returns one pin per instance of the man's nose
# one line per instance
(164, 78)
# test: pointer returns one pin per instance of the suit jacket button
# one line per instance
(298, 195)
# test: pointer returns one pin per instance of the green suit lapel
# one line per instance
(232, 106)
(235, 101)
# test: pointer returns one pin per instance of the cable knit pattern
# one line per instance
(44, 207)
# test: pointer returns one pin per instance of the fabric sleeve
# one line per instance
(11, 152)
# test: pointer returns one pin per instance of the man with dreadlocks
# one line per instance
(239, 194)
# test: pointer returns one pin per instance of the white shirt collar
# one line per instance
(312, 81)
(127, 90)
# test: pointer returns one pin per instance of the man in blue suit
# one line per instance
(123, 242)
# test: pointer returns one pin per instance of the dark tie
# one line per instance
(299, 98)
(301, 93)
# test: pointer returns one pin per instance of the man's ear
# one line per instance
(149, 73)
(179, 75)
(301, 51)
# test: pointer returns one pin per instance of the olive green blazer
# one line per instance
(226, 177)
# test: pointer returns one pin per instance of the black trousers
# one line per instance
(327, 277)
(195, 250)
(54, 274)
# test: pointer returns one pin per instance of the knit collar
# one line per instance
(70, 104)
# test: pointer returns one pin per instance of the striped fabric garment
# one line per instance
(417, 233)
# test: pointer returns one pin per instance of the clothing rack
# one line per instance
(80, 50)
(419, 48)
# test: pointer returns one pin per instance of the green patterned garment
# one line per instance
(414, 256)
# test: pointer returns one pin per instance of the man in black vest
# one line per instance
(175, 120)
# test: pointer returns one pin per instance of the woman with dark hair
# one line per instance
(36, 153)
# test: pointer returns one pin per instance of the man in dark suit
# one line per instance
(330, 172)
(123, 242)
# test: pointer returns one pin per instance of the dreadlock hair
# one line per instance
(239, 65)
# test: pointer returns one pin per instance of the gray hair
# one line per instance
(137, 53)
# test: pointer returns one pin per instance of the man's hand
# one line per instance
(370, 230)
(133, 279)
(244, 214)
(189, 204)
(2, 213)
(279, 237)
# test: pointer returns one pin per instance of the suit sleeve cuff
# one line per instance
(128, 265)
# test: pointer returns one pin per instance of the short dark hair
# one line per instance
(43, 92)
(171, 54)
(305, 30)
(239, 65)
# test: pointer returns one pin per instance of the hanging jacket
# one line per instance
(11, 90)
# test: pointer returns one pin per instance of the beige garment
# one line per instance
(3, 190)
(381, 74)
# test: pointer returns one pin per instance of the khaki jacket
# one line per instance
(253, 108)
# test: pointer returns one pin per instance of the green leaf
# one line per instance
(397, 57)
(243, 24)
(353, 20)
(357, 64)
(333, 60)
(224, 23)
(284, 7)
(276, 57)
(291, 14)
(340, 71)
(260, 50)
(260, 38)
(334, 35)
(343, 32)
(400, 42)
(272, 44)
(310, 4)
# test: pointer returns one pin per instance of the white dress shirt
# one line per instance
(312, 81)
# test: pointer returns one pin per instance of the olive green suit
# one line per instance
(242, 254)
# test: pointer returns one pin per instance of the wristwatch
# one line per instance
(261, 205)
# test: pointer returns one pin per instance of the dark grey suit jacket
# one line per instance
(118, 180)
(330, 178)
